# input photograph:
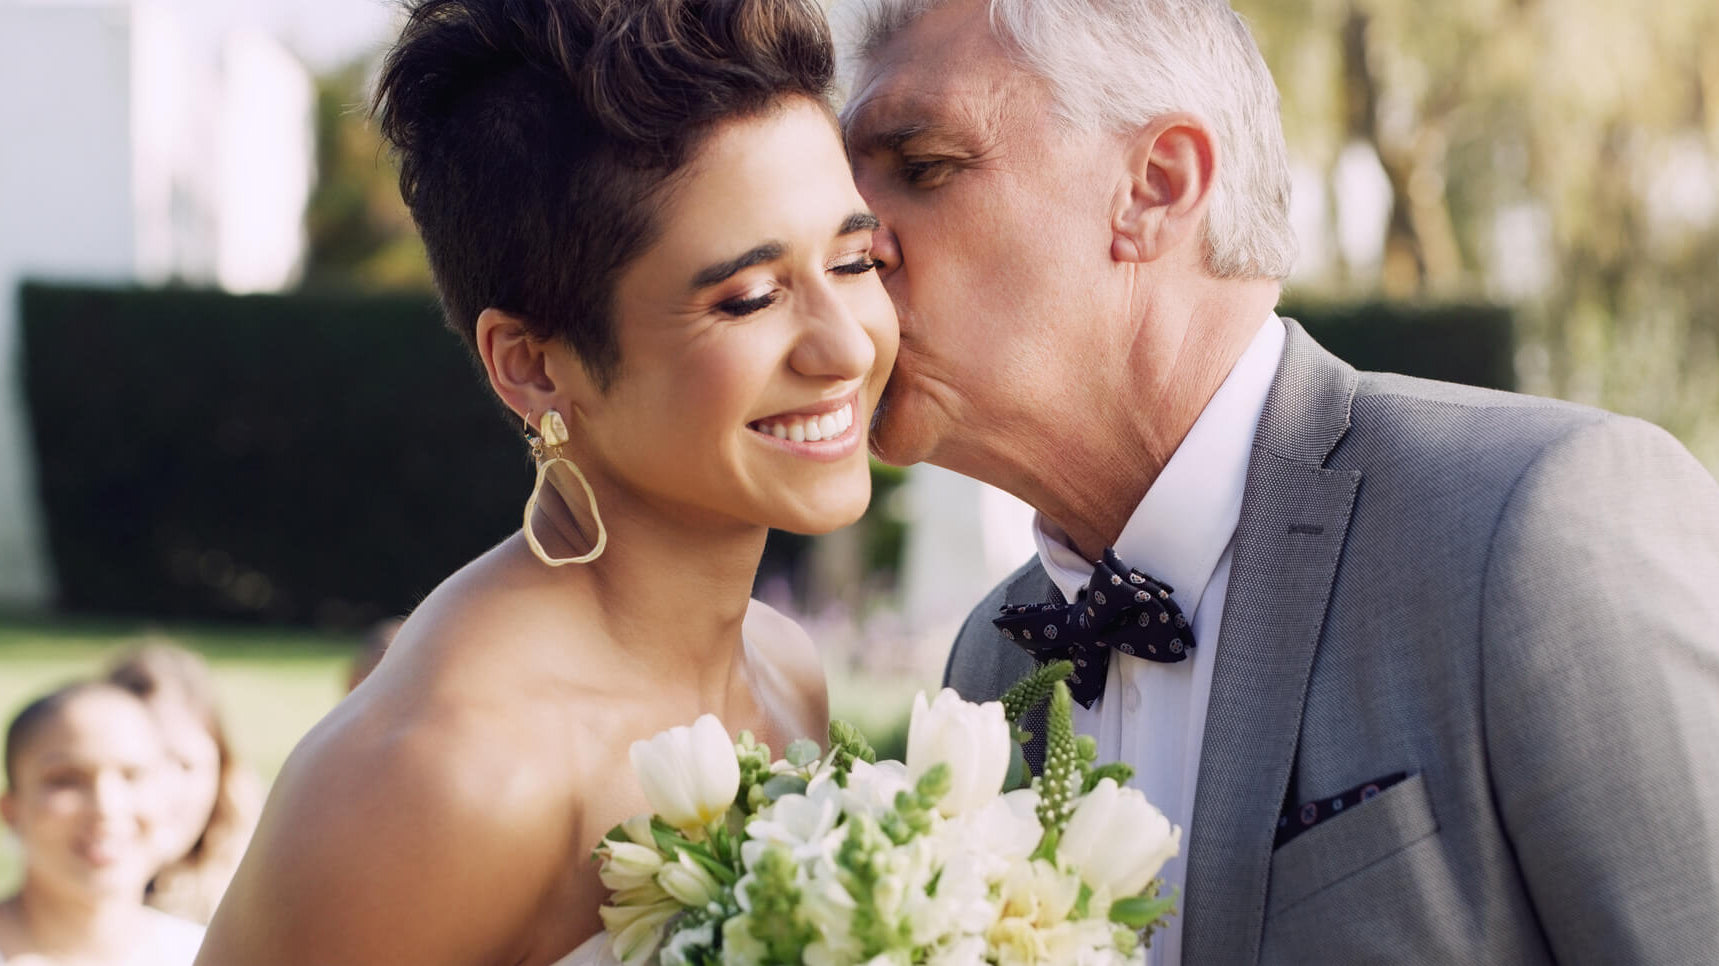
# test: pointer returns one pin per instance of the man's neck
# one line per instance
(1090, 482)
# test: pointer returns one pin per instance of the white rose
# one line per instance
(689, 775)
(1118, 840)
(972, 739)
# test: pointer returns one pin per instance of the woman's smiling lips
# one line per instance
(826, 431)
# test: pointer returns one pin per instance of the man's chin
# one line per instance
(892, 440)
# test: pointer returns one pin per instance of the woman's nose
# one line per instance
(834, 343)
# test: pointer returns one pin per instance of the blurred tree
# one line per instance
(1559, 154)
(361, 235)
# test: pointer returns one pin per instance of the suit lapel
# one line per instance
(1294, 517)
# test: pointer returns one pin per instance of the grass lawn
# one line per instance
(276, 683)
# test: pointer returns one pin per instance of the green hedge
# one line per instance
(328, 459)
(293, 459)
(1466, 343)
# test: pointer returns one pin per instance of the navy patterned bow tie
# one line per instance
(1119, 608)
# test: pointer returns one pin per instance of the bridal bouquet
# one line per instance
(836, 858)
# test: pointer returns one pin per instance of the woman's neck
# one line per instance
(670, 591)
(62, 925)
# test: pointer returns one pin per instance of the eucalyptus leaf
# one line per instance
(781, 785)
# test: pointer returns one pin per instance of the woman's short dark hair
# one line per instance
(536, 137)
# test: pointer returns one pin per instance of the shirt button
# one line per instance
(1131, 698)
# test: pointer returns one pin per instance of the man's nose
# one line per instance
(886, 251)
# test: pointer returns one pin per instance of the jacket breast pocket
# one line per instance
(1345, 844)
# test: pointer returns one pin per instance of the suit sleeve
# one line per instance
(1600, 634)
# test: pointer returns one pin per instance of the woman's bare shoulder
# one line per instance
(382, 814)
(449, 780)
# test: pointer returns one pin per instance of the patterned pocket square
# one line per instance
(1303, 817)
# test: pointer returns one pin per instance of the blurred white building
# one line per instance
(129, 154)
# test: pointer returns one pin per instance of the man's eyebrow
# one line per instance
(724, 270)
(864, 138)
(859, 221)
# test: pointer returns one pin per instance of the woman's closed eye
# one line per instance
(858, 266)
(746, 305)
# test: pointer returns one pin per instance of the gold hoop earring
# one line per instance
(546, 450)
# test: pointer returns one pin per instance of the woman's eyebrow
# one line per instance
(724, 270)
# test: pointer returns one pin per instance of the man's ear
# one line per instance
(531, 375)
(1161, 205)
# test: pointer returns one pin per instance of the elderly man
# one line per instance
(1434, 676)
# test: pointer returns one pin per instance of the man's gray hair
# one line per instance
(1118, 64)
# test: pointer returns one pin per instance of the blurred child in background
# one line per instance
(212, 800)
(83, 766)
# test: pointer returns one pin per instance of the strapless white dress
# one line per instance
(591, 952)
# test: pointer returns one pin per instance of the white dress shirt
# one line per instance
(1153, 715)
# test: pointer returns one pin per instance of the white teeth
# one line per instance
(811, 428)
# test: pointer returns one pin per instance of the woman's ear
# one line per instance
(530, 375)
(8, 809)
(1161, 206)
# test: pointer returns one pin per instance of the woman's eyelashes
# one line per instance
(747, 305)
(735, 308)
(858, 266)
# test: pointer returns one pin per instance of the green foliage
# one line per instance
(801, 752)
(1591, 125)
(1117, 771)
(1145, 911)
(775, 900)
(360, 235)
(912, 814)
(847, 746)
(291, 459)
(1472, 343)
(860, 859)
(1031, 691)
(1065, 765)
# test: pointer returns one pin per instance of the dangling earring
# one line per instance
(546, 450)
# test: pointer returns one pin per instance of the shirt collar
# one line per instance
(1180, 529)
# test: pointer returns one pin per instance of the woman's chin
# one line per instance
(827, 509)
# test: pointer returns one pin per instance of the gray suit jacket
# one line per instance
(1514, 599)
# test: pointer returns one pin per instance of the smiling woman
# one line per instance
(642, 221)
(82, 765)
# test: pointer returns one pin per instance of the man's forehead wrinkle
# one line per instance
(955, 110)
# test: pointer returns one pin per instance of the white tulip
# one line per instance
(627, 865)
(635, 934)
(689, 883)
(689, 775)
(972, 739)
(1118, 840)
